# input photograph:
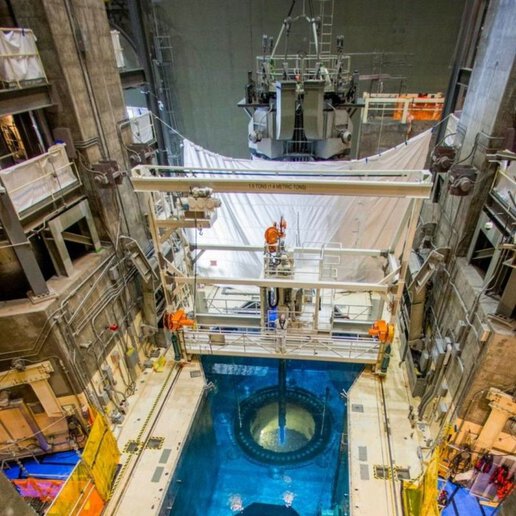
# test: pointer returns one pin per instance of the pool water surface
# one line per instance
(238, 456)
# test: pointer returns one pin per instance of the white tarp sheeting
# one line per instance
(117, 47)
(141, 124)
(351, 222)
(19, 58)
(38, 178)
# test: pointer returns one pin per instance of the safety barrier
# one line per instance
(403, 108)
(88, 487)
(420, 495)
(40, 180)
(270, 344)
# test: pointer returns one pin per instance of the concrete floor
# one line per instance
(161, 411)
(375, 443)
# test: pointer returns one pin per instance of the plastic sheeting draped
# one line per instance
(78, 495)
(351, 222)
(101, 454)
(420, 496)
(117, 47)
(42, 488)
(89, 485)
(38, 178)
(141, 124)
(19, 58)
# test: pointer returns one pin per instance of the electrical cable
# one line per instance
(473, 149)
(276, 297)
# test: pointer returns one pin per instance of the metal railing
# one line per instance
(298, 67)
(504, 186)
(294, 344)
(20, 62)
(399, 107)
(39, 181)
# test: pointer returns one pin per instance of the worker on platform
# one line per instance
(281, 333)
(284, 267)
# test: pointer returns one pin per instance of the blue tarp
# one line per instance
(66, 457)
(55, 466)
(12, 473)
(462, 503)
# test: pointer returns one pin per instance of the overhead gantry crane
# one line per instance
(252, 335)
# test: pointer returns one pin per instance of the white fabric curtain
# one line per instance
(351, 222)
(19, 58)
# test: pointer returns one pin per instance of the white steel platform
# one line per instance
(361, 350)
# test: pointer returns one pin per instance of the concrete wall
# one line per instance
(486, 350)
(89, 98)
(71, 329)
(216, 43)
(12, 503)
(72, 332)
(496, 370)
(488, 108)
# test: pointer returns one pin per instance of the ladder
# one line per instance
(165, 70)
(325, 37)
(326, 10)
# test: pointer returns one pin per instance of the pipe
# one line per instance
(430, 394)
(86, 77)
(68, 339)
(37, 131)
(282, 400)
(136, 19)
(33, 425)
(316, 41)
(326, 397)
(389, 447)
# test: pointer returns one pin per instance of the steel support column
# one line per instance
(56, 242)
(21, 246)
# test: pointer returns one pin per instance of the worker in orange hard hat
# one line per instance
(274, 233)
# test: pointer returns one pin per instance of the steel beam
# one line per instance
(19, 100)
(333, 251)
(134, 78)
(296, 186)
(176, 224)
(228, 320)
(139, 171)
(56, 242)
(284, 283)
(78, 239)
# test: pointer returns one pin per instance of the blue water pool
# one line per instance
(239, 460)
